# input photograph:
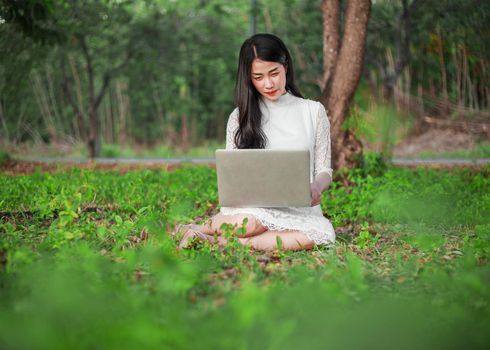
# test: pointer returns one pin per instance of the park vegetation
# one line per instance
(86, 258)
(161, 73)
(86, 261)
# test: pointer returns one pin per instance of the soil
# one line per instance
(15, 167)
(435, 141)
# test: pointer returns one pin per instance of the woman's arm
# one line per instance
(323, 170)
(231, 128)
(321, 183)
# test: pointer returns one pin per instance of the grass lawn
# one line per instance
(86, 262)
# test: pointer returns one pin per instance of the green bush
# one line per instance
(115, 151)
(4, 157)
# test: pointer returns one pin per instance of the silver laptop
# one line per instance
(263, 178)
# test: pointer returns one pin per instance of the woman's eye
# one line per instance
(275, 74)
(257, 78)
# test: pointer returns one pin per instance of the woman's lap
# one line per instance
(289, 240)
(255, 229)
(253, 226)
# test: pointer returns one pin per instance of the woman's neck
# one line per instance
(280, 101)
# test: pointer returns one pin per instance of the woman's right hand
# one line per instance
(316, 194)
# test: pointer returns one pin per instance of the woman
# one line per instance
(272, 114)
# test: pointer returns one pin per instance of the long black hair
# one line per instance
(266, 47)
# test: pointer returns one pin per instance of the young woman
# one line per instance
(272, 114)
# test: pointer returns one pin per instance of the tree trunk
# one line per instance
(346, 72)
(94, 100)
(93, 141)
(331, 38)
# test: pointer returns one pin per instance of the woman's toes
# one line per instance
(192, 235)
(187, 238)
(180, 230)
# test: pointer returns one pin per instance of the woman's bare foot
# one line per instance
(181, 229)
(192, 235)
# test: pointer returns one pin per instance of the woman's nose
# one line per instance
(268, 83)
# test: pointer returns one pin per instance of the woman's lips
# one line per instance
(271, 93)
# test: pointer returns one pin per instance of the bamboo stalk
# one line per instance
(474, 91)
(114, 124)
(108, 120)
(43, 104)
(58, 122)
(78, 91)
(122, 113)
(442, 63)
(467, 81)
(408, 84)
(19, 124)
(420, 100)
(458, 76)
(4, 123)
(159, 103)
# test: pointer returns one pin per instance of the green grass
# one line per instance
(86, 262)
(79, 150)
(205, 151)
(480, 150)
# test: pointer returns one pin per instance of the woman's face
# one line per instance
(269, 78)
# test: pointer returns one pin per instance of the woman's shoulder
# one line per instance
(233, 118)
(314, 107)
(233, 115)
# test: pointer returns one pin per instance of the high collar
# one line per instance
(281, 101)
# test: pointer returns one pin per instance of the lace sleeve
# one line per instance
(322, 143)
(231, 129)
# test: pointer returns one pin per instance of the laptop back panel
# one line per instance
(263, 178)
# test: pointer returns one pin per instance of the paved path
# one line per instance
(440, 161)
(396, 161)
(119, 160)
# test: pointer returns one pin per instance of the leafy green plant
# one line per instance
(365, 240)
(89, 252)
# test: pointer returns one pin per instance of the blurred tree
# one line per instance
(161, 72)
(100, 31)
(441, 46)
(26, 28)
(97, 31)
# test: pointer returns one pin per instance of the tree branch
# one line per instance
(108, 76)
(67, 93)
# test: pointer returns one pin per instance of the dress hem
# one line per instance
(318, 237)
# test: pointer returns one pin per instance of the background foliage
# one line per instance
(172, 64)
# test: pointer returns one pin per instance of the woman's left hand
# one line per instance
(316, 194)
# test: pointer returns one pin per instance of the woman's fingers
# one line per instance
(315, 201)
(316, 197)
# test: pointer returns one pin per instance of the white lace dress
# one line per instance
(292, 123)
